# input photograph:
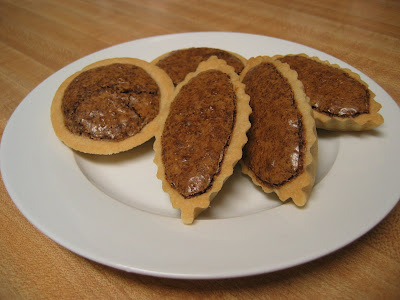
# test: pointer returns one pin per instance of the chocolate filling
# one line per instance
(181, 62)
(331, 91)
(197, 132)
(275, 149)
(110, 102)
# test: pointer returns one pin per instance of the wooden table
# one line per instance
(38, 38)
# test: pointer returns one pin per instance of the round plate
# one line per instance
(112, 209)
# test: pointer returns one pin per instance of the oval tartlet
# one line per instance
(200, 139)
(339, 98)
(282, 149)
(110, 106)
(178, 63)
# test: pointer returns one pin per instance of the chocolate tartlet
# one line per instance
(281, 152)
(202, 132)
(110, 106)
(177, 64)
(339, 98)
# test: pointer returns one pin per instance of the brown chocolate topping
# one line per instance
(274, 151)
(197, 132)
(111, 102)
(331, 90)
(181, 62)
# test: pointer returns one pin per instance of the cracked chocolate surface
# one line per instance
(110, 102)
(197, 132)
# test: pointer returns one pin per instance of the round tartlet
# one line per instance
(110, 106)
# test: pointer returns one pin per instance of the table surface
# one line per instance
(38, 38)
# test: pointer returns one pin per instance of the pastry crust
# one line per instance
(86, 144)
(191, 207)
(195, 58)
(363, 121)
(299, 187)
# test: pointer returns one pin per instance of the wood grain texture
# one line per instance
(38, 38)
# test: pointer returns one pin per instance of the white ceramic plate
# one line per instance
(112, 209)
